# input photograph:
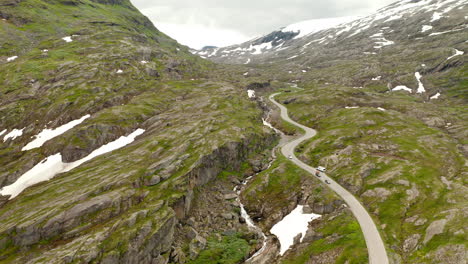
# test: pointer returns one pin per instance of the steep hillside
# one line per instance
(108, 129)
(388, 95)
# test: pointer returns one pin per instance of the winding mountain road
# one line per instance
(375, 245)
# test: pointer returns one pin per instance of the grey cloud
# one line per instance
(250, 17)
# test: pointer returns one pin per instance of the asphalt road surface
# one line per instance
(375, 245)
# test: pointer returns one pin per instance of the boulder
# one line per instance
(155, 179)
(411, 242)
(178, 255)
(191, 233)
(382, 193)
(196, 246)
(434, 122)
(435, 228)
(297, 239)
(230, 196)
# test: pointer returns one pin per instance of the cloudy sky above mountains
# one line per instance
(197, 23)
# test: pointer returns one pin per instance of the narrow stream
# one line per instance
(240, 188)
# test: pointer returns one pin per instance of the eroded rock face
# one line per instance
(435, 228)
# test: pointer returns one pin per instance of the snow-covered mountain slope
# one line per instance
(273, 42)
(403, 21)
(308, 27)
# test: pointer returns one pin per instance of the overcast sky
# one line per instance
(197, 23)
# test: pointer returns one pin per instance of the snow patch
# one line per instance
(3, 132)
(248, 61)
(258, 49)
(436, 16)
(119, 71)
(394, 17)
(12, 58)
(457, 53)
(402, 88)
(421, 88)
(247, 73)
(68, 39)
(53, 165)
(13, 134)
(378, 78)
(445, 32)
(48, 134)
(293, 224)
(381, 109)
(251, 93)
(144, 62)
(436, 96)
(351, 107)
(426, 28)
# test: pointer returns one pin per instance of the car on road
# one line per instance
(327, 182)
(317, 173)
(290, 157)
(321, 169)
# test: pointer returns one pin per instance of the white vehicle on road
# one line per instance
(321, 169)
(290, 157)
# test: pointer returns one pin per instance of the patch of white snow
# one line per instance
(378, 78)
(293, 224)
(436, 16)
(436, 96)
(12, 58)
(119, 71)
(48, 134)
(421, 88)
(402, 88)
(53, 165)
(426, 28)
(13, 134)
(67, 39)
(457, 53)
(251, 93)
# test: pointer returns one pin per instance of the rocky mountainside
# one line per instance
(413, 28)
(388, 95)
(108, 128)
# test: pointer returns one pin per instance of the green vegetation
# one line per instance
(392, 159)
(342, 235)
(226, 249)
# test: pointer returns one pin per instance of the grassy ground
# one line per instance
(343, 240)
(227, 249)
(392, 159)
(280, 188)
